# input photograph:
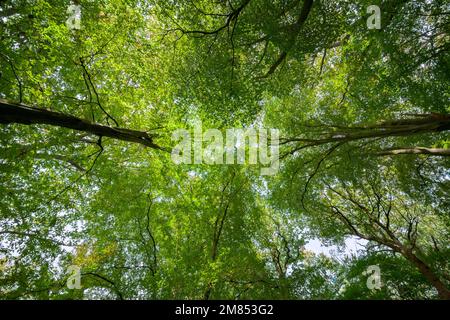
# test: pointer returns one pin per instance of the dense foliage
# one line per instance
(363, 116)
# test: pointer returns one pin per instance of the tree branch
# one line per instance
(304, 12)
(414, 150)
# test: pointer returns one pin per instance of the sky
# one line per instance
(352, 245)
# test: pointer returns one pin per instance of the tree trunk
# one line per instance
(18, 113)
(422, 123)
(415, 150)
(443, 291)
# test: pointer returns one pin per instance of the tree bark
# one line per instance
(11, 112)
(420, 124)
(392, 242)
(304, 12)
(443, 291)
(415, 150)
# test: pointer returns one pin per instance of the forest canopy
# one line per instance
(95, 97)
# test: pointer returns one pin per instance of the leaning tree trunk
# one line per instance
(11, 112)
(415, 150)
(418, 124)
(443, 291)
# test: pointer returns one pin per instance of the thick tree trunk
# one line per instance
(18, 113)
(383, 235)
(443, 291)
(420, 124)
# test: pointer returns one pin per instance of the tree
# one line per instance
(86, 123)
(393, 221)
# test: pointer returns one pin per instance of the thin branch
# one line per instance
(316, 170)
(147, 227)
(13, 69)
(323, 61)
(96, 93)
(71, 185)
(232, 16)
(116, 290)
